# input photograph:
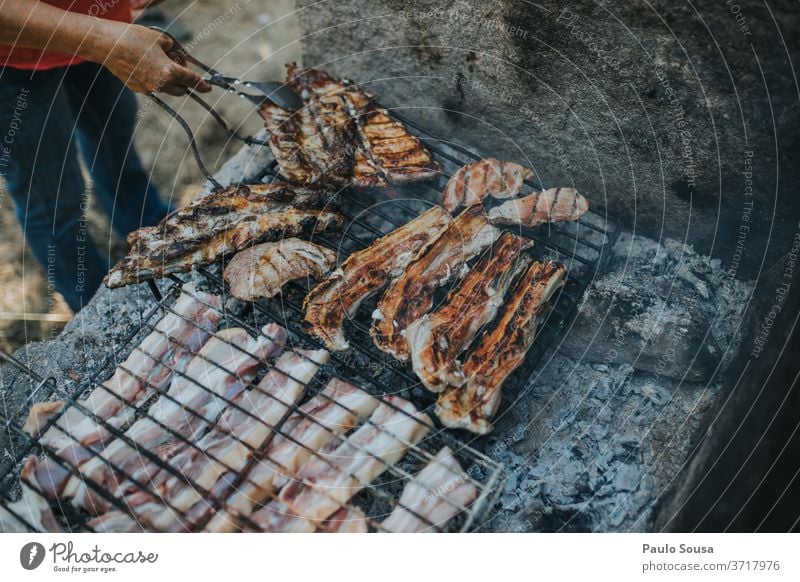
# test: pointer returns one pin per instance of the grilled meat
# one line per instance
(31, 510)
(314, 426)
(243, 428)
(366, 272)
(331, 479)
(342, 137)
(445, 258)
(317, 143)
(387, 153)
(438, 338)
(553, 205)
(488, 177)
(499, 351)
(149, 368)
(431, 499)
(219, 224)
(263, 270)
(221, 370)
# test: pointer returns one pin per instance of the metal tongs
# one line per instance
(281, 94)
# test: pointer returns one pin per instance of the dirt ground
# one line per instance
(248, 38)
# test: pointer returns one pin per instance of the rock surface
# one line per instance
(655, 311)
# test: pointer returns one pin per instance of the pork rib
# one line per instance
(499, 351)
(488, 177)
(364, 273)
(437, 339)
(444, 259)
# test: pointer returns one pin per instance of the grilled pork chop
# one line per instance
(218, 224)
(553, 205)
(364, 273)
(499, 351)
(262, 270)
(342, 137)
(410, 297)
(488, 177)
(437, 339)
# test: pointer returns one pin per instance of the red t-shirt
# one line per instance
(23, 58)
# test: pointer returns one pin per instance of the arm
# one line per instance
(135, 54)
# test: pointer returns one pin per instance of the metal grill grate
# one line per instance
(584, 246)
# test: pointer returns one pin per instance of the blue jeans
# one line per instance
(46, 119)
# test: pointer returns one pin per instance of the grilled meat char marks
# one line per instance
(488, 177)
(410, 296)
(499, 351)
(219, 224)
(364, 273)
(553, 205)
(437, 339)
(342, 137)
(315, 144)
(262, 270)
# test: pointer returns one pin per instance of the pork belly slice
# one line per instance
(364, 273)
(318, 424)
(436, 495)
(149, 368)
(553, 205)
(242, 429)
(488, 177)
(275, 517)
(224, 366)
(30, 510)
(330, 480)
(441, 261)
(499, 351)
(437, 339)
(263, 270)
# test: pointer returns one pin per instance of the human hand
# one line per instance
(138, 57)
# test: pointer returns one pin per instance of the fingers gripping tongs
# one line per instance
(281, 94)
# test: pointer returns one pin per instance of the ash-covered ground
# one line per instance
(591, 446)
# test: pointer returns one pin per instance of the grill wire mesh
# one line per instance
(584, 246)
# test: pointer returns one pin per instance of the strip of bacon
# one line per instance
(410, 296)
(437, 339)
(31, 510)
(333, 412)
(364, 273)
(553, 205)
(223, 367)
(435, 496)
(488, 177)
(330, 480)
(241, 430)
(149, 368)
(500, 351)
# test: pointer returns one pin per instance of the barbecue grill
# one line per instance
(584, 246)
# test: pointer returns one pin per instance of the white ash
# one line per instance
(591, 447)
